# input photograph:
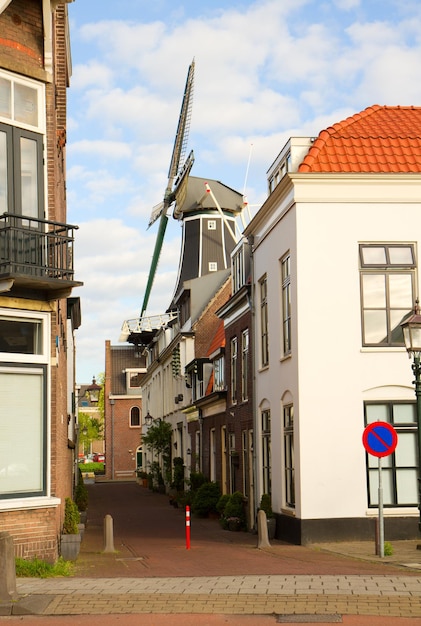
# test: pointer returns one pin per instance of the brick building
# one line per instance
(37, 316)
(124, 369)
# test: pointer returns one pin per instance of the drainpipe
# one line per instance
(112, 402)
(253, 353)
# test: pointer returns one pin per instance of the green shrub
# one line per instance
(178, 474)
(266, 505)
(97, 468)
(206, 499)
(71, 518)
(388, 548)
(197, 479)
(81, 494)
(36, 568)
(234, 510)
(222, 502)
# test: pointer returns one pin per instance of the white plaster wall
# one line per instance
(329, 374)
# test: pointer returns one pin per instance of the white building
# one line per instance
(335, 257)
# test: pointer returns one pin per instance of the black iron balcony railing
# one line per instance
(35, 248)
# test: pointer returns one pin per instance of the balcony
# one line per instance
(36, 255)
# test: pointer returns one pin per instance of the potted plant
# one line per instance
(266, 506)
(143, 477)
(70, 538)
(81, 498)
(234, 517)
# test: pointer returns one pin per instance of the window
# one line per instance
(244, 364)
(213, 266)
(286, 303)
(240, 266)
(134, 416)
(266, 454)
(211, 224)
(234, 357)
(219, 374)
(21, 101)
(21, 148)
(400, 469)
(21, 172)
(387, 291)
(24, 353)
(264, 338)
(289, 461)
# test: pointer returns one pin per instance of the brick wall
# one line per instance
(34, 533)
(21, 37)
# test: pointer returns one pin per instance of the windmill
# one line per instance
(207, 209)
(176, 176)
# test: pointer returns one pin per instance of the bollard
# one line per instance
(108, 534)
(262, 530)
(187, 527)
(8, 569)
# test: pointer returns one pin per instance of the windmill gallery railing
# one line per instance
(35, 247)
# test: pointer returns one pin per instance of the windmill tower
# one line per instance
(207, 209)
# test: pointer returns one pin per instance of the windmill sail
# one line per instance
(178, 154)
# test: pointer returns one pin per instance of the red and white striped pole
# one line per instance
(187, 527)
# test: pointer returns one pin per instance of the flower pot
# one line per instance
(271, 522)
(70, 547)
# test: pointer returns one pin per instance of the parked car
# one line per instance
(99, 458)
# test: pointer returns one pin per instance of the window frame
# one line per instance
(389, 463)
(289, 458)
(245, 345)
(133, 409)
(233, 373)
(266, 434)
(286, 304)
(264, 322)
(37, 364)
(386, 269)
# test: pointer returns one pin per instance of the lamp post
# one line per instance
(412, 336)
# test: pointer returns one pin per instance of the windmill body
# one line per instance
(208, 235)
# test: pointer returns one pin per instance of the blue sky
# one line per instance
(266, 70)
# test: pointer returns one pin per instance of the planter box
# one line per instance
(70, 547)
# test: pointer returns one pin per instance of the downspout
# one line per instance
(112, 402)
(253, 358)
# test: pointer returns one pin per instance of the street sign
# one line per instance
(380, 439)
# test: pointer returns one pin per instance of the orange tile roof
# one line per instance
(218, 340)
(379, 139)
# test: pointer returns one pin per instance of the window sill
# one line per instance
(37, 502)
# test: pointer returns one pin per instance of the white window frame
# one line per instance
(36, 364)
(39, 87)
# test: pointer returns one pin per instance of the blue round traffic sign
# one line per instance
(380, 439)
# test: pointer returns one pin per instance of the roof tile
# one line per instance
(379, 139)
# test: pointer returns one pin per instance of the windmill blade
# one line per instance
(160, 210)
(181, 137)
(155, 258)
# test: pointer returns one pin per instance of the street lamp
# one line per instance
(412, 336)
(148, 419)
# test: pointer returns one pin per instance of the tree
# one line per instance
(158, 441)
(90, 429)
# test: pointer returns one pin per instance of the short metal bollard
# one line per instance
(108, 534)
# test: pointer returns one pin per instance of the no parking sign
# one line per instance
(380, 439)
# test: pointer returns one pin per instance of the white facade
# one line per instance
(319, 220)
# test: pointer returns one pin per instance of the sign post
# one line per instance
(380, 439)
